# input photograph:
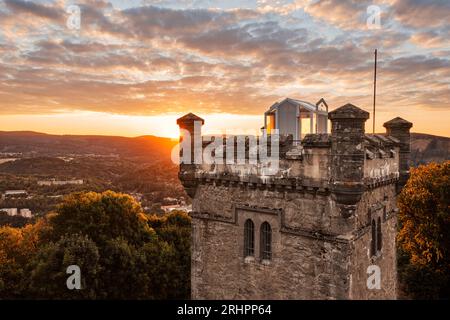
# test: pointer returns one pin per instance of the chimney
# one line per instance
(399, 129)
(347, 156)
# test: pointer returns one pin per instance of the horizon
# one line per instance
(91, 123)
(156, 136)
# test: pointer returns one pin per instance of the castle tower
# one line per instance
(347, 156)
(399, 128)
(190, 151)
(311, 230)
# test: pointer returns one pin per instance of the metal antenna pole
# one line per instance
(374, 89)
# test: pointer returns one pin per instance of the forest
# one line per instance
(122, 253)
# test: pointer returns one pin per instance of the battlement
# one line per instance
(346, 162)
(327, 201)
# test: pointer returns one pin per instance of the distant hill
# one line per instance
(140, 165)
(426, 148)
(38, 144)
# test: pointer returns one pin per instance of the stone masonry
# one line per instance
(321, 206)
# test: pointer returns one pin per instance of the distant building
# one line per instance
(5, 160)
(53, 182)
(26, 213)
(10, 211)
(173, 207)
(170, 200)
(58, 196)
(15, 193)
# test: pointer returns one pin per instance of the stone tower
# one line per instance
(313, 229)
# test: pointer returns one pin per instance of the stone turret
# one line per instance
(400, 129)
(190, 150)
(347, 156)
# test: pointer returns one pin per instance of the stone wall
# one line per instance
(310, 260)
(379, 202)
(302, 267)
(301, 210)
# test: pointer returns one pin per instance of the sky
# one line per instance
(133, 67)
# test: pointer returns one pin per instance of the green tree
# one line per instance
(424, 236)
(47, 270)
(122, 253)
(102, 217)
(175, 229)
(117, 226)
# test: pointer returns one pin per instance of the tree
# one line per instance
(122, 254)
(175, 229)
(101, 216)
(13, 221)
(424, 236)
(17, 247)
(48, 269)
(11, 257)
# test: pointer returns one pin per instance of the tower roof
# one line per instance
(298, 103)
(190, 117)
(398, 123)
(348, 111)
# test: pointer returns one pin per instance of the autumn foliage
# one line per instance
(424, 235)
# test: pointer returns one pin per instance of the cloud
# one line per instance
(422, 13)
(347, 14)
(35, 9)
(151, 22)
(431, 39)
(156, 60)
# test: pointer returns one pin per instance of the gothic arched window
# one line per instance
(373, 244)
(379, 240)
(266, 241)
(249, 238)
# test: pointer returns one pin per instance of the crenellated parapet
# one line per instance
(343, 164)
(382, 160)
